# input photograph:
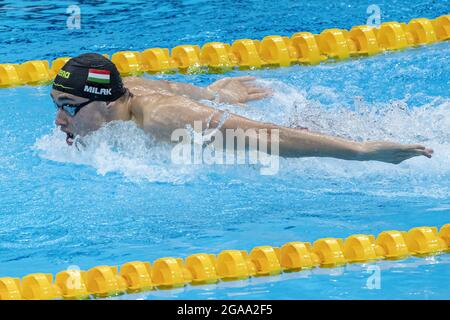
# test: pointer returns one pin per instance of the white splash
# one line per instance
(117, 147)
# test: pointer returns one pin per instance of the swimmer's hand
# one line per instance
(393, 152)
(238, 90)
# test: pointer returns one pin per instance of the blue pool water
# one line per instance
(122, 199)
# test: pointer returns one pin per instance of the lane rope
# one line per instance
(228, 265)
(302, 48)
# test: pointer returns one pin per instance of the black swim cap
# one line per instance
(90, 76)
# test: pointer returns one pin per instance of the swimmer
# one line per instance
(89, 92)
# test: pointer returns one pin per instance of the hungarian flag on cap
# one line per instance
(98, 76)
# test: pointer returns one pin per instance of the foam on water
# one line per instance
(117, 147)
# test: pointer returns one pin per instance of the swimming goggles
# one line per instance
(72, 109)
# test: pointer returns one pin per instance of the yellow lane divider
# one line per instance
(272, 51)
(228, 265)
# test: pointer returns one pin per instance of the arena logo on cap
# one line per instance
(99, 76)
(63, 73)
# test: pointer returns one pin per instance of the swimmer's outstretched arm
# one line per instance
(168, 113)
(303, 143)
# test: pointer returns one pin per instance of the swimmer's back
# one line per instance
(141, 87)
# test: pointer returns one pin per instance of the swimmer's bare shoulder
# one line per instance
(160, 114)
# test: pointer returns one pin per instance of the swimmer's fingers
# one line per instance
(426, 152)
(222, 82)
(257, 96)
(245, 78)
(242, 79)
(225, 81)
(394, 152)
(415, 146)
(418, 150)
(251, 90)
(251, 97)
(429, 153)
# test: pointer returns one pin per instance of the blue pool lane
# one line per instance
(123, 200)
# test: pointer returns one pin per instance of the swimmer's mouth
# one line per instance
(69, 138)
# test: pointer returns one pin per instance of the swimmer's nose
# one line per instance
(61, 118)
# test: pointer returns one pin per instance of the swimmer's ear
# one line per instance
(109, 107)
(110, 104)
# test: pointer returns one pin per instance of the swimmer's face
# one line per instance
(89, 118)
